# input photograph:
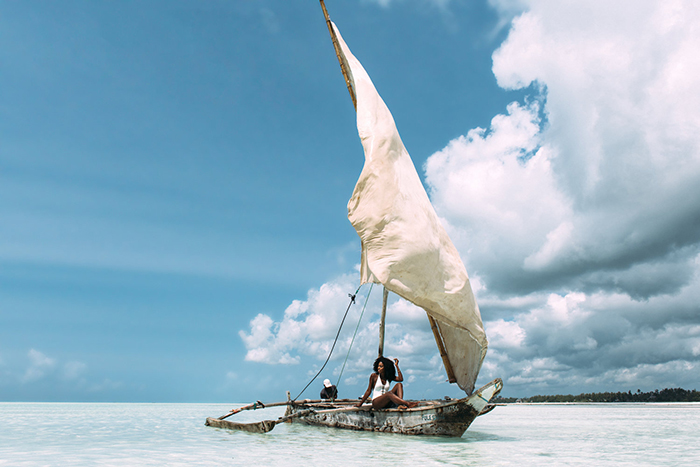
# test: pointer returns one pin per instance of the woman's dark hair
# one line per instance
(389, 370)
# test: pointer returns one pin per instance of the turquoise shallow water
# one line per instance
(47, 434)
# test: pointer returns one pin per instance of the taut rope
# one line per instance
(337, 385)
(352, 300)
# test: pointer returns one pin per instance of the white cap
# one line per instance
(327, 383)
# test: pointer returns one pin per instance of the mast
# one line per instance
(381, 322)
(348, 82)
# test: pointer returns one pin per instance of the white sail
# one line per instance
(404, 245)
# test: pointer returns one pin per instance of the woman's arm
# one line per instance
(399, 376)
(372, 381)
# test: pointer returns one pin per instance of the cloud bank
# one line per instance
(309, 328)
(576, 212)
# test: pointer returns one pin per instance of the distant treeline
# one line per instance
(664, 395)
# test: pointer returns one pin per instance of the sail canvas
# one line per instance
(404, 245)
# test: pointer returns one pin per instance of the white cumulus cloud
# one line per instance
(309, 327)
(39, 366)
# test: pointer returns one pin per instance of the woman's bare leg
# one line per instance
(398, 390)
(383, 400)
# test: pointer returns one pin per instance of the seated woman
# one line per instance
(380, 381)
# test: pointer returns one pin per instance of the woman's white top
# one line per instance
(380, 388)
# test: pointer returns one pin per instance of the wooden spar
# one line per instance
(443, 352)
(254, 406)
(341, 58)
(381, 322)
(259, 405)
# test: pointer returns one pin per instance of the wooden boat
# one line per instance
(449, 417)
(438, 417)
(407, 250)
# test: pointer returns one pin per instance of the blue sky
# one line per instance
(174, 176)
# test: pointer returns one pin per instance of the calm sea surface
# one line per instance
(45, 434)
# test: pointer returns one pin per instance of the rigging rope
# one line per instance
(352, 300)
(369, 292)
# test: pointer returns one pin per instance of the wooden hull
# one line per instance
(438, 418)
(259, 427)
